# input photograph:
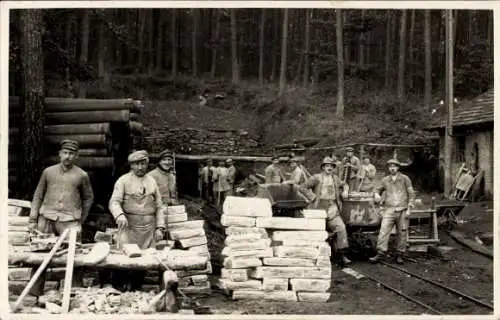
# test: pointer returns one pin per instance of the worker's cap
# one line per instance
(137, 156)
(229, 161)
(71, 145)
(394, 161)
(275, 157)
(349, 149)
(328, 160)
(293, 159)
(166, 154)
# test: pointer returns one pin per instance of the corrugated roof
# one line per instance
(475, 111)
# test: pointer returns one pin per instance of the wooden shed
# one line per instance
(473, 124)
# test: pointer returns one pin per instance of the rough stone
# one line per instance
(236, 221)
(235, 231)
(291, 223)
(248, 207)
(193, 224)
(296, 252)
(240, 285)
(175, 218)
(259, 253)
(300, 235)
(289, 262)
(275, 284)
(314, 214)
(313, 296)
(234, 274)
(310, 285)
(291, 272)
(261, 244)
(186, 233)
(192, 242)
(240, 263)
(176, 210)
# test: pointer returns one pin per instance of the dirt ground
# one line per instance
(460, 269)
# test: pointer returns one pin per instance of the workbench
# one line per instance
(174, 259)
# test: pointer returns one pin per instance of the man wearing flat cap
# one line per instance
(273, 172)
(206, 177)
(399, 197)
(165, 178)
(231, 175)
(350, 168)
(221, 183)
(329, 191)
(136, 204)
(62, 200)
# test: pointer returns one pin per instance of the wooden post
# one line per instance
(448, 136)
(69, 271)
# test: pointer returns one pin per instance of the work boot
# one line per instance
(343, 260)
(379, 256)
(399, 258)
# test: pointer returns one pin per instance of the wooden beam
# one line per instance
(448, 136)
(70, 105)
(192, 157)
(68, 278)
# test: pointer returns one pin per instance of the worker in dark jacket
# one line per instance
(62, 200)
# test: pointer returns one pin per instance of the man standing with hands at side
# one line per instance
(62, 200)
(165, 178)
(136, 204)
(399, 198)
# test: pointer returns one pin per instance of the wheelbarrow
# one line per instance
(287, 200)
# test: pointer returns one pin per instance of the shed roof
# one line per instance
(476, 111)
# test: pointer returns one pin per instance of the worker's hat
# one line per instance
(166, 154)
(274, 157)
(349, 149)
(141, 155)
(328, 160)
(394, 161)
(229, 161)
(71, 145)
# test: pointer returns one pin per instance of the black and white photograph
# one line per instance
(197, 158)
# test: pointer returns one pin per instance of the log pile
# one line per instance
(103, 127)
(274, 258)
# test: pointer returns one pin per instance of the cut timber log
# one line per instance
(310, 285)
(73, 129)
(86, 162)
(69, 104)
(300, 235)
(87, 117)
(82, 139)
(313, 296)
(248, 207)
(291, 223)
(136, 127)
(132, 250)
(228, 221)
(275, 284)
(291, 272)
(93, 152)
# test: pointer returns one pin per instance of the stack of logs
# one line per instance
(274, 258)
(105, 129)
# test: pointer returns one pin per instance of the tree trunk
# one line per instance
(347, 46)
(174, 43)
(448, 138)
(103, 48)
(261, 46)
(234, 50)
(151, 27)
(340, 66)
(428, 58)
(410, 50)
(84, 52)
(284, 45)
(215, 43)
(32, 101)
(307, 37)
(402, 56)
(362, 44)
(70, 52)
(275, 45)
(142, 25)
(388, 49)
(159, 43)
(194, 47)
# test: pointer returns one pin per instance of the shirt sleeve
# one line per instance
(311, 182)
(372, 172)
(115, 203)
(38, 197)
(87, 195)
(381, 187)
(409, 190)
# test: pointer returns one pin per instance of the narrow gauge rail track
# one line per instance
(434, 283)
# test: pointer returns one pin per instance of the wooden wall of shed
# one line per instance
(485, 142)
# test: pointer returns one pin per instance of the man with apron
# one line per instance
(326, 186)
(138, 209)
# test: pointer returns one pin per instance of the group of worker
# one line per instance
(332, 186)
(216, 183)
(64, 195)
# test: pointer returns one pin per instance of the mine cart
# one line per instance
(286, 199)
(360, 210)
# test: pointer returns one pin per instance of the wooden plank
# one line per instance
(40, 269)
(247, 207)
(72, 104)
(474, 246)
(291, 272)
(190, 157)
(291, 223)
(228, 221)
(132, 250)
(69, 271)
(275, 284)
(310, 285)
